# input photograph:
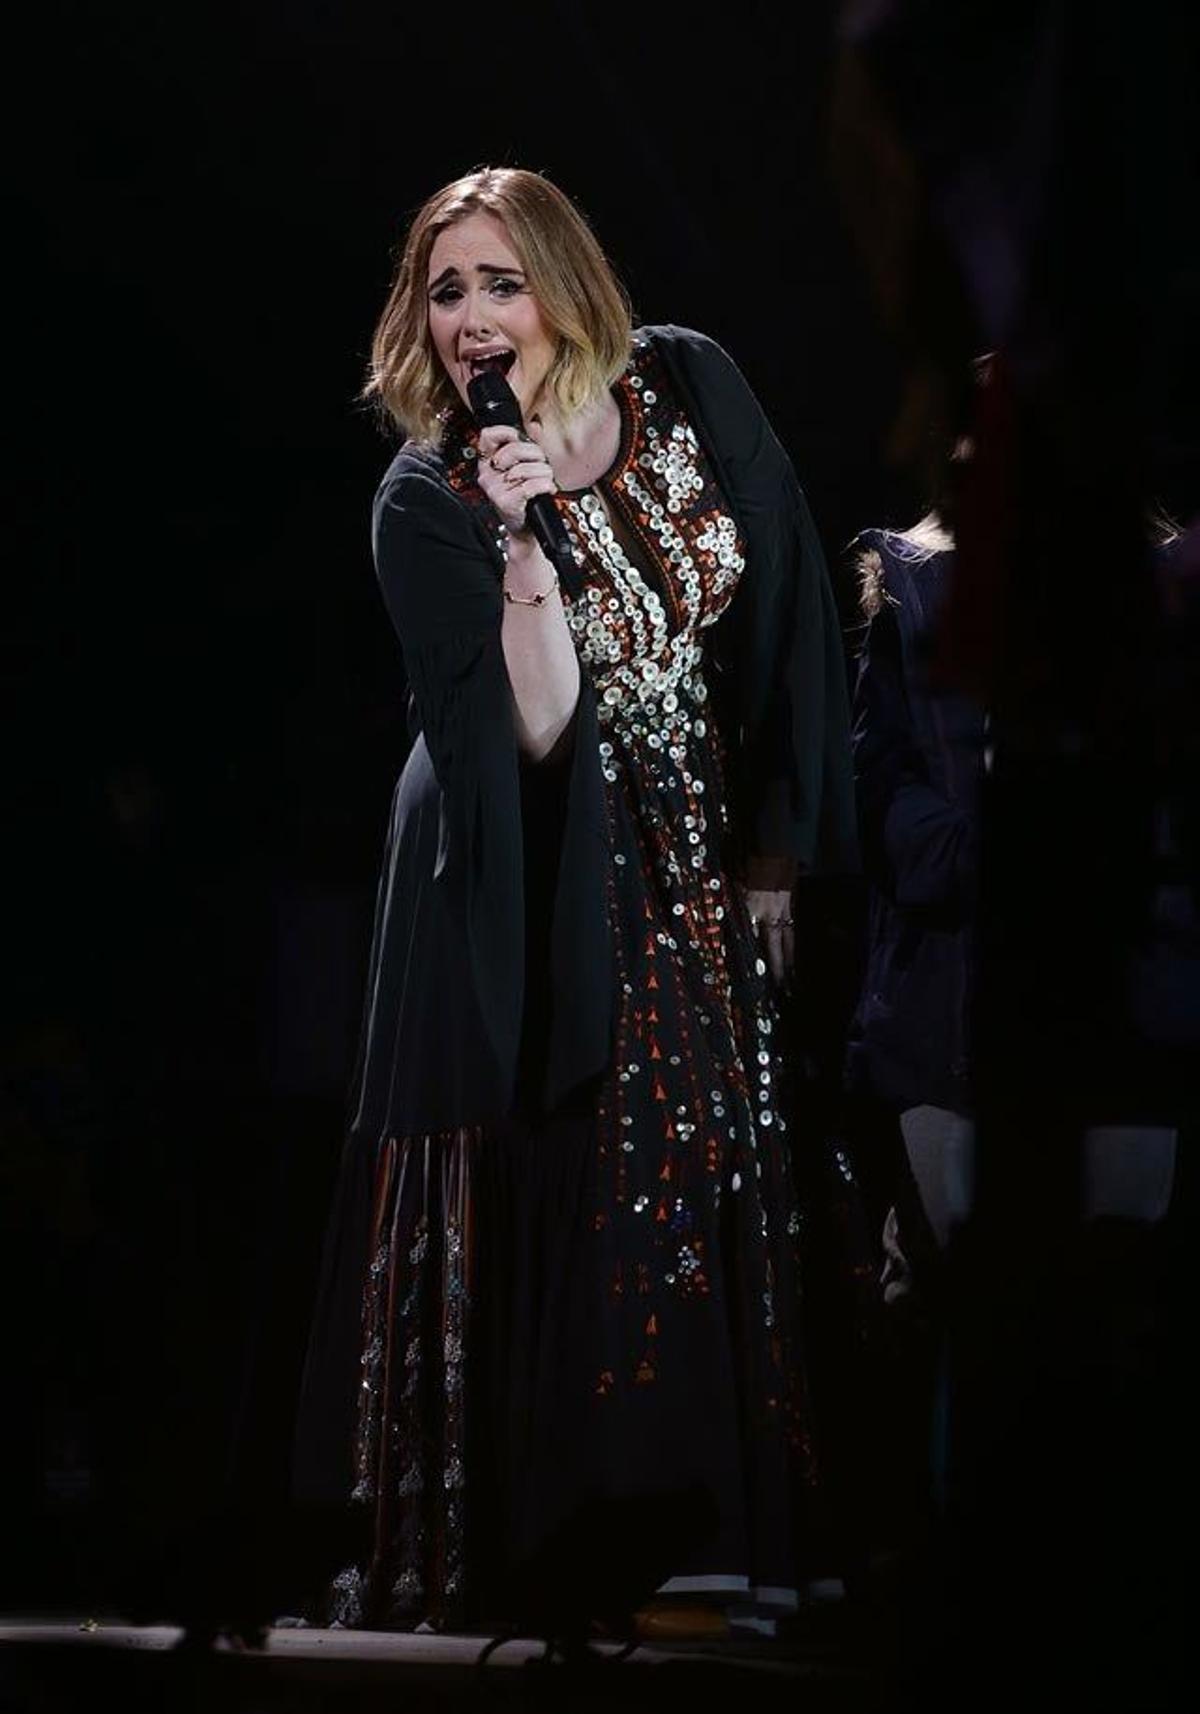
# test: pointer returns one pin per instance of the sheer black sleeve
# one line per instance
(441, 585)
(441, 580)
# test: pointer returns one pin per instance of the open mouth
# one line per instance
(501, 360)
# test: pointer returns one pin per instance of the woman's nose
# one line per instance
(478, 320)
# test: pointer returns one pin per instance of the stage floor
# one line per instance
(48, 1664)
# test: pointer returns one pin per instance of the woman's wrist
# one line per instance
(527, 571)
(539, 597)
(768, 874)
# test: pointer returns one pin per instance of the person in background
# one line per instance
(921, 759)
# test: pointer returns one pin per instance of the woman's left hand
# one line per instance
(771, 922)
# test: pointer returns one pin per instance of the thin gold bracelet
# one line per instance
(538, 600)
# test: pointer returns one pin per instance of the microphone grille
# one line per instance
(493, 400)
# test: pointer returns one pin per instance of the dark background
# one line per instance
(204, 717)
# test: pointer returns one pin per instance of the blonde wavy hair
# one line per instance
(583, 304)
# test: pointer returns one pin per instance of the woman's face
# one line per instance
(481, 312)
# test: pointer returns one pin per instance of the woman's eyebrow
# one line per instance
(452, 272)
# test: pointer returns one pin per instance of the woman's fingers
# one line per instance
(492, 439)
(512, 471)
(510, 454)
(770, 936)
(537, 482)
(770, 913)
(511, 490)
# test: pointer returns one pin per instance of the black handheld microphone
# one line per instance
(494, 403)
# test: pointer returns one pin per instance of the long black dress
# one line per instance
(562, 1280)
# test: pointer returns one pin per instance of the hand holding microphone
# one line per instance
(514, 472)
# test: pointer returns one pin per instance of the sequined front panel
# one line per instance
(667, 568)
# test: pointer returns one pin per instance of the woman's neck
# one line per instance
(583, 446)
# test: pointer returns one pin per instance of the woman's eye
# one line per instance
(447, 295)
(505, 288)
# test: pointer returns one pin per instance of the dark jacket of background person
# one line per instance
(918, 763)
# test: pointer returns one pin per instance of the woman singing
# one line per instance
(560, 1309)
